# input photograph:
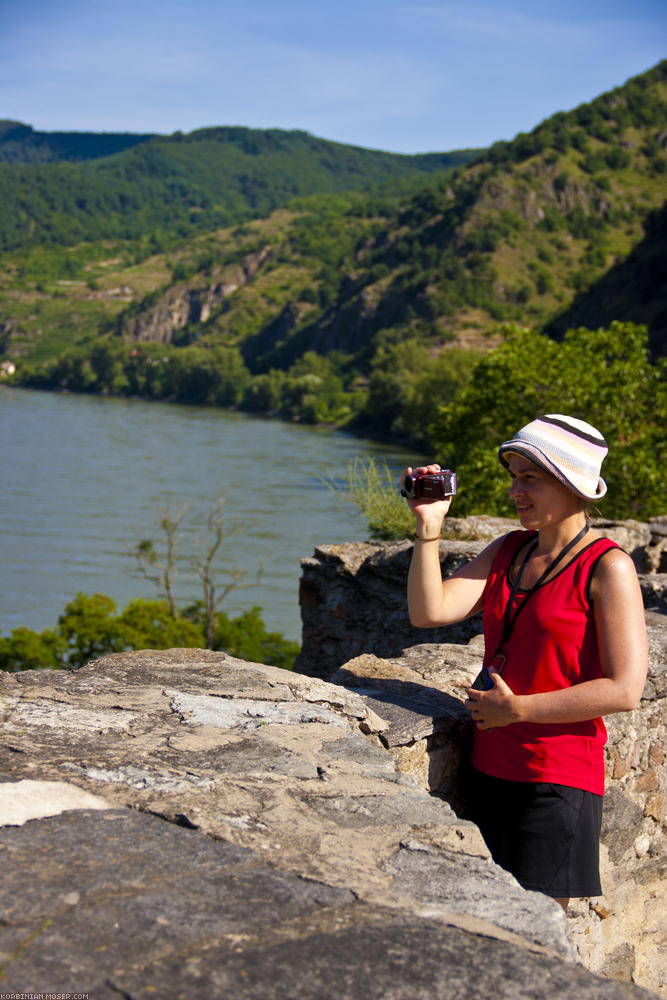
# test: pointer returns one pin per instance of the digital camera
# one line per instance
(430, 485)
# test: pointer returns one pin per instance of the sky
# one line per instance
(402, 76)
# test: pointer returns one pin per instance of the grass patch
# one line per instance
(373, 488)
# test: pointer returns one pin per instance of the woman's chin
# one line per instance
(527, 517)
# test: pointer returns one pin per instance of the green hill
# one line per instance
(355, 307)
(635, 289)
(168, 188)
(20, 143)
(518, 236)
(525, 234)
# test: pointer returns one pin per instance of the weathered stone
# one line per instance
(96, 894)
(633, 536)
(246, 831)
(264, 847)
(654, 591)
(21, 801)
(353, 599)
(429, 737)
(620, 963)
(419, 691)
(620, 822)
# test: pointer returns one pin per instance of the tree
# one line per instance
(162, 573)
(603, 376)
(106, 360)
(395, 368)
(151, 625)
(439, 382)
(89, 628)
(247, 638)
(28, 650)
(205, 566)
(263, 395)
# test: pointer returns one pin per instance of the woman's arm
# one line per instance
(621, 631)
(433, 601)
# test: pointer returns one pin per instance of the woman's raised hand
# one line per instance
(429, 514)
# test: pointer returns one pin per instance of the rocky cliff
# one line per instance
(182, 824)
(193, 302)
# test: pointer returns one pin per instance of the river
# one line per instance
(85, 479)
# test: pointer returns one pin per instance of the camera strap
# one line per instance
(509, 619)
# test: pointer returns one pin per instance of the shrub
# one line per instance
(374, 489)
(89, 628)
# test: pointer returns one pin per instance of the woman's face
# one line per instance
(539, 499)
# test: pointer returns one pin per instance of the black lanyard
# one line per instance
(509, 620)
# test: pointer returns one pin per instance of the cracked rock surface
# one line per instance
(183, 824)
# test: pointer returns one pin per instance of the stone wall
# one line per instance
(180, 823)
(356, 632)
(353, 596)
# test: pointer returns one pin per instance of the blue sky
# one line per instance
(396, 75)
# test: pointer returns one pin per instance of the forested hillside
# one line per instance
(20, 143)
(520, 235)
(169, 187)
(362, 308)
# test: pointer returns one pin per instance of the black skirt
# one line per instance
(546, 835)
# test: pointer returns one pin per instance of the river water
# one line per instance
(84, 479)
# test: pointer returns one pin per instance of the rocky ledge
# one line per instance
(183, 824)
(353, 601)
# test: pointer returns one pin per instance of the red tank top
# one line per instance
(553, 645)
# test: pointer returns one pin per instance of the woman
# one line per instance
(565, 644)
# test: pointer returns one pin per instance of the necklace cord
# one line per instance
(509, 620)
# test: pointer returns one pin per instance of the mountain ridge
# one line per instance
(22, 143)
(180, 185)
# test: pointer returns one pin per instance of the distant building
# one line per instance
(7, 368)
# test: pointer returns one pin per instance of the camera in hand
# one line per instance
(430, 485)
(483, 681)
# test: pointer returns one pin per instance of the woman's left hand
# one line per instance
(493, 708)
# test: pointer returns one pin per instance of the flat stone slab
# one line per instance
(118, 892)
(244, 713)
(379, 955)
(121, 903)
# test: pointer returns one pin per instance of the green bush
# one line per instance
(28, 650)
(246, 637)
(603, 376)
(89, 627)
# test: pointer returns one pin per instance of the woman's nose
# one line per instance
(515, 488)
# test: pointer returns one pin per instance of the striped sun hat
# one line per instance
(567, 448)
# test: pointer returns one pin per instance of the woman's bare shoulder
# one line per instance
(614, 569)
